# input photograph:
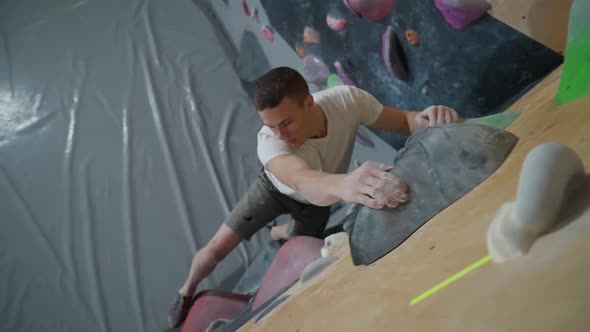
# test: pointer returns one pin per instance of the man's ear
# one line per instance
(308, 101)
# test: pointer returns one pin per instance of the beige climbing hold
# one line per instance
(335, 245)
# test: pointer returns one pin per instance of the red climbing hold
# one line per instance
(373, 10)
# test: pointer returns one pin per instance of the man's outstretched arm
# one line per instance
(406, 122)
(370, 184)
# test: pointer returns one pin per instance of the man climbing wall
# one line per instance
(305, 146)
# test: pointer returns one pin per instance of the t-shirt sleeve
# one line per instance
(270, 147)
(368, 107)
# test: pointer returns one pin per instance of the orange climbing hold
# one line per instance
(412, 37)
(310, 36)
(299, 50)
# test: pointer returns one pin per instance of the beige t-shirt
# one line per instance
(345, 108)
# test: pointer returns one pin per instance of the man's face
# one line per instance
(288, 120)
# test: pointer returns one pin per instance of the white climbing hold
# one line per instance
(548, 176)
(335, 244)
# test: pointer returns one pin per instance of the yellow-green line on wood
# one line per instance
(451, 279)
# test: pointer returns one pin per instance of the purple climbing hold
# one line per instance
(314, 70)
(474, 5)
(393, 55)
(460, 17)
(373, 10)
(342, 75)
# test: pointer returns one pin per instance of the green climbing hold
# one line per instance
(575, 77)
(333, 80)
(498, 121)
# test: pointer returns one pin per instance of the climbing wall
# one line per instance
(477, 70)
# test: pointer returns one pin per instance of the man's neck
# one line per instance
(319, 122)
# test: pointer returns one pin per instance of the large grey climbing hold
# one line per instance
(549, 174)
(440, 165)
(315, 268)
(218, 325)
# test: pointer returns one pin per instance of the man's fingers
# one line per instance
(400, 196)
(385, 167)
(449, 117)
(379, 195)
(392, 203)
(370, 202)
(391, 182)
(375, 165)
(422, 119)
(372, 181)
(379, 174)
(431, 117)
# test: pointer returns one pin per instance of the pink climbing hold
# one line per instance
(336, 24)
(373, 10)
(267, 33)
(459, 18)
(249, 13)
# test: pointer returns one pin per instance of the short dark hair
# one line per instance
(277, 84)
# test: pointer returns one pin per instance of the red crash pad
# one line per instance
(284, 270)
(287, 266)
(210, 305)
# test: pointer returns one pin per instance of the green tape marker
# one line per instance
(451, 279)
(333, 80)
(499, 121)
(575, 77)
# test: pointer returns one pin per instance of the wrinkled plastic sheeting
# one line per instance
(125, 139)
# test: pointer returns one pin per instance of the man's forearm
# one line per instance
(413, 125)
(318, 188)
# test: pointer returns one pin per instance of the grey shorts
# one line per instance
(263, 203)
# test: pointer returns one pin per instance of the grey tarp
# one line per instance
(126, 137)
